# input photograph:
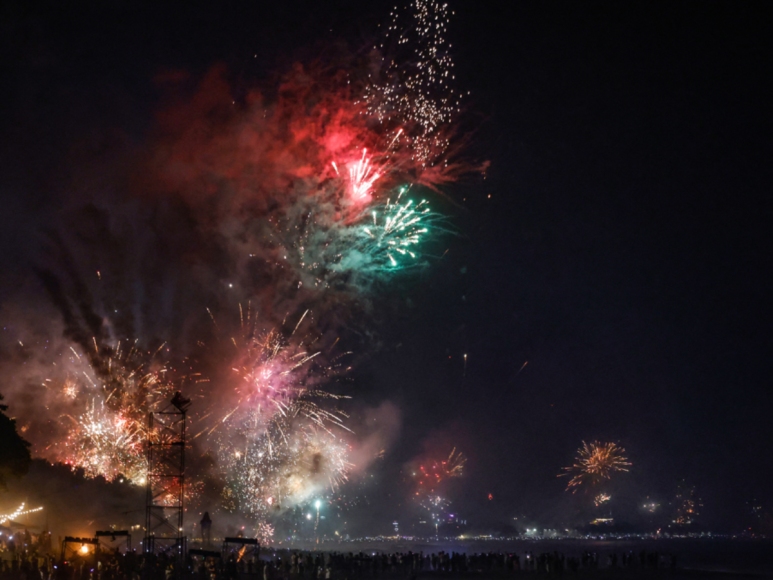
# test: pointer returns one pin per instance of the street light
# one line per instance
(317, 504)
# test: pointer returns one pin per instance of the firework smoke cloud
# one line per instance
(224, 258)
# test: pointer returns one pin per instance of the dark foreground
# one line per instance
(249, 563)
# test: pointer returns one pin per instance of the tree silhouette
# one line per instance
(14, 451)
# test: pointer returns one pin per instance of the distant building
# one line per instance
(688, 505)
(206, 529)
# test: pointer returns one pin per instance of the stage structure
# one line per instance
(165, 491)
(79, 549)
(206, 555)
(111, 540)
(239, 547)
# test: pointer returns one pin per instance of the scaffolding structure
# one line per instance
(112, 540)
(165, 484)
(83, 549)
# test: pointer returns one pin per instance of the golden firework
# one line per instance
(595, 462)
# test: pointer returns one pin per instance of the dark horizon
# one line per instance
(618, 245)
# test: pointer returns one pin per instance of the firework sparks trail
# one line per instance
(601, 499)
(595, 462)
(414, 93)
(362, 176)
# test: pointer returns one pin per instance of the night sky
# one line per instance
(619, 243)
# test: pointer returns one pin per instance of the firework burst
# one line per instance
(284, 466)
(115, 390)
(274, 373)
(276, 438)
(436, 507)
(332, 257)
(595, 462)
(430, 472)
(397, 228)
(106, 444)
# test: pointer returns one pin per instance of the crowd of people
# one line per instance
(29, 561)
(325, 565)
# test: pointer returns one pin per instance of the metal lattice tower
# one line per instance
(165, 495)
